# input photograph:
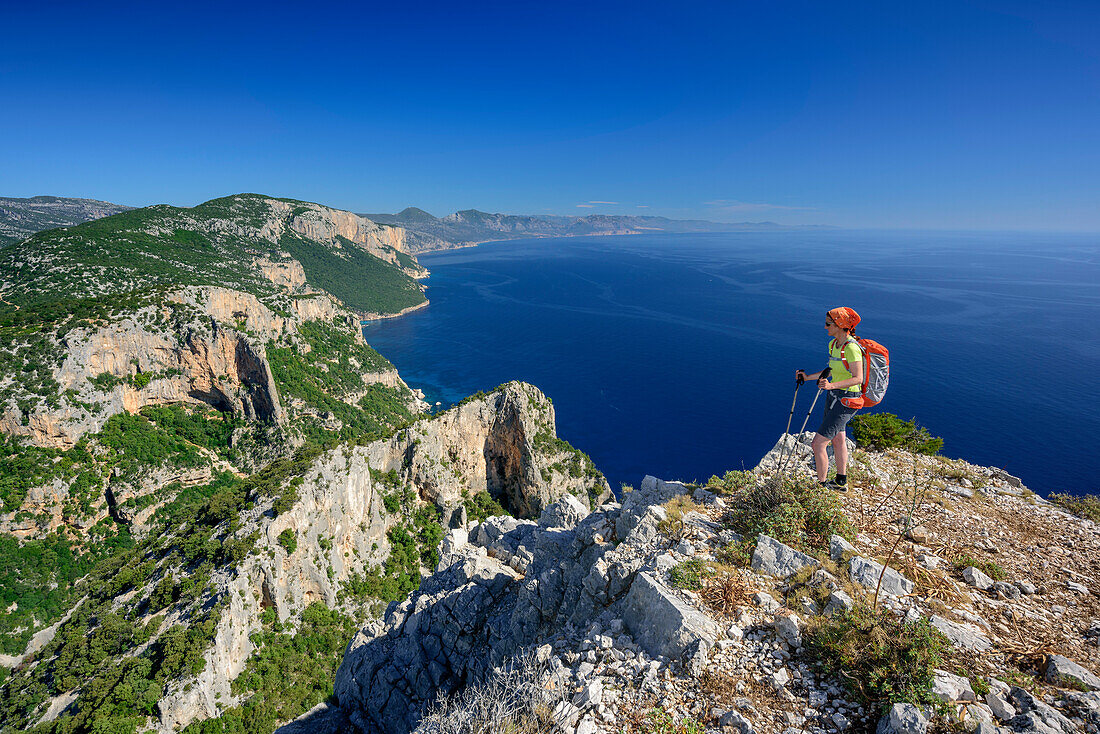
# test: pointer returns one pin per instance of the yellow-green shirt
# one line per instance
(853, 353)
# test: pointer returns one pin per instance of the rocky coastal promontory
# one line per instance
(654, 612)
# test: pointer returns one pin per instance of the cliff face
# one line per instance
(173, 383)
(328, 225)
(340, 525)
(201, 346)
(503, 443)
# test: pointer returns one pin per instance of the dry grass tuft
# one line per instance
(725, 592)
(518, 699)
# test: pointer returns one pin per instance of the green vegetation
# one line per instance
(731, 482)
(482, 506)
(365, 283)
(200, 426)
(332, 370)
(572, 462)
(689, 574)
(1085, 505)
(792, 509)
(990, 568)
(290, 673)
(881, 659)
(659, 721)
(38, 576)
(414, 541)
(24, 467)
(137, 443)
(881, 431)
(288, 539)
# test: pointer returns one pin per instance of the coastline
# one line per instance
(367, 317)
(466, 245)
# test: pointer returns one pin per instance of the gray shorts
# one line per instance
(836, 415)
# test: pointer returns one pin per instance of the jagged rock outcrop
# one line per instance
(502, 442)
(514, 585)
(590, 595)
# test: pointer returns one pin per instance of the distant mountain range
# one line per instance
(20, 218)
(470, 226)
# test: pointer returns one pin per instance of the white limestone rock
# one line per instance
(776, 559)
(949, 687)
(903, 718)
(866, 573)
(1062, 671)
(976, 578)
(962, 635)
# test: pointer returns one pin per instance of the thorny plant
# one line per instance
(519, 698)
(913, 499)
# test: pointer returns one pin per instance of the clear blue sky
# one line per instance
(940, 114)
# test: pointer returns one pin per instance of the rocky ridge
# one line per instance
(20, 218)
(596, 600)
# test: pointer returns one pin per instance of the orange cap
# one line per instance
(844, 317)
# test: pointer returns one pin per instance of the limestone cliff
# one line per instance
(197, 346)
(504, 442)
(339, 522)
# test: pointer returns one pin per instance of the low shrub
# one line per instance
(881, 431)
(482, 506)
(793, 510)
(689, 574)
(881, 658)
(725, 592)
(519, 698)
(1086, 505)
(660, 721)
(730, 482)
(289, 540)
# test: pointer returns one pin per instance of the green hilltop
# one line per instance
(215, 243)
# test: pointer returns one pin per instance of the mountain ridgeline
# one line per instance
(208, 480)
(20, 218)
(426, 232)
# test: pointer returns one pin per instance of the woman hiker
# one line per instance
(844, 395)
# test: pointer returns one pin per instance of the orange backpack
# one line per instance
(876, 372)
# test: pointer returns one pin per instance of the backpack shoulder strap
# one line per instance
(844, 359)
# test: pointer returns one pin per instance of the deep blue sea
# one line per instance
(674, 355)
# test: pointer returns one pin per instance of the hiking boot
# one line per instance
(834, 485)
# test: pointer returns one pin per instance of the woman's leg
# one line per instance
(840, 452)
(821, 456)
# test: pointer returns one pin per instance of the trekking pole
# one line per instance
(797, 384)
(824, 376)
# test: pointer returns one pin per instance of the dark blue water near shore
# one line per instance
(674, 355)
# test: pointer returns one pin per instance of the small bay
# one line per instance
(674, 355)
